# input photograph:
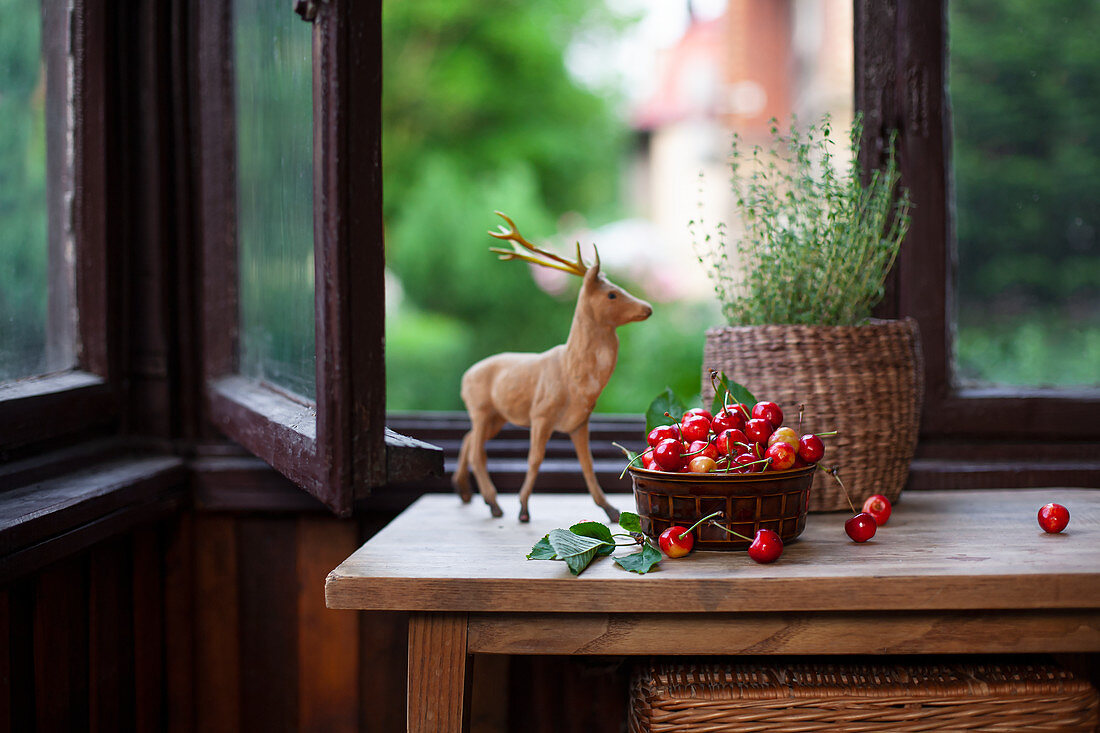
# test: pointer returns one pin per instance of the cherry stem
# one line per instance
(834, 471)
(729, 469)
(730, 531)
(632, 460)
(827, 434)
(801, 409)
(692, 527)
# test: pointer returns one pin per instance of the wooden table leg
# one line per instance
(438, 673)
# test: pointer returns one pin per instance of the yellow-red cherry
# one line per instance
(701, 464)
(1053, 518)
(784, 435)
(676, 541)
(782, 456)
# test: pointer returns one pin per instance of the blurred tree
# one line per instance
(1025, 92)
(479, 114)
(23, 245)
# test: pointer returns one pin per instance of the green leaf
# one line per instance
(575, 549)
(738, 393)
(666, 401)
(630, 522)
(596, 531)
(640, 562)
(542, 550)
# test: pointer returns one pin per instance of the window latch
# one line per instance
(307, 9)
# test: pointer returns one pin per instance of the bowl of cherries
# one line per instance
(740, 463)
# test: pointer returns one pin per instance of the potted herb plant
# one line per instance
(797, 279)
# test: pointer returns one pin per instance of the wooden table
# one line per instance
(952, 572)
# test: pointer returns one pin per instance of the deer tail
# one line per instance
(461, 477)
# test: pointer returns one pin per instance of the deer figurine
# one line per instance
(554, 390)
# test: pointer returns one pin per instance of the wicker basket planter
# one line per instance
(866, 382)
(707, 698)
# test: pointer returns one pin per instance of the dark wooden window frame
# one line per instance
(336, 448)
(41, 412)
(900, 77)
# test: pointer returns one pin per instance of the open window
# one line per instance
(58, 277)
(903, 82)
(278, 98)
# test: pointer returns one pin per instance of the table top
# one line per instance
(950, 550)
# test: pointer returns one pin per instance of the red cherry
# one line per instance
(768, 411)
(758, 429)
(667, 455)
(727, 441)
(673, 545)
(861, 527)
(695, 427)
(878, 506)
(1053, 518)
(767, 547)
(732, 419)
(649, 463)
(810, 448)
(743, 460)
(698, 411)
(662, 432)
(703, 448)
(782, 456)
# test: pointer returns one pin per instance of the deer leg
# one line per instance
(460, 479)
(540, 433)
(484, 429)
(584, 455)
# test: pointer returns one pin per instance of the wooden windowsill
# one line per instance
(47, 519)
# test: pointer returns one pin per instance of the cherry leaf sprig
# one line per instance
(583, 542)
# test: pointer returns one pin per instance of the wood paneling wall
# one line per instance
(215, 621)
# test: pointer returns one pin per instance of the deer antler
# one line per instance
(512, 234)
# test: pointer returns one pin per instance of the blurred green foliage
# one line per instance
(480, 114)
(23, 243)
(1025, 93)
(274, 105)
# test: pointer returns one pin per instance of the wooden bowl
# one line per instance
(776, 500)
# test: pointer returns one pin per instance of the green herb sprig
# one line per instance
(814, 243)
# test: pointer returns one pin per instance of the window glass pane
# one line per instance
(36, 317)
(586, 121)
(274, 117)
(1025, 96)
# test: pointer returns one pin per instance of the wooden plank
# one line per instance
(268, 623)
(61, 646)
(111, 653)
(147, 568)
(437, 673)
(181, 638)
(328, 641)
(19, 650)
(5, 662)
(217, 626)
(969, 632)
(941, 550)
(246, 484)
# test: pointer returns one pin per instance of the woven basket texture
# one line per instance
(970, 696)
(865, 382)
